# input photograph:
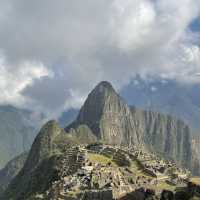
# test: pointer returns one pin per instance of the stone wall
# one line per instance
(98, 195)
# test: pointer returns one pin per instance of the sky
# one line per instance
(52, 53)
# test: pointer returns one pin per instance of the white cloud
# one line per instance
(132, 22)
(13, 82)
(191, 54)
(84, 42)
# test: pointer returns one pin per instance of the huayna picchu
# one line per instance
(110, 152)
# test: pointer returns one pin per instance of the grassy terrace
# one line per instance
(97, 158)
(135, 168)
(196, 180)
(163, 186)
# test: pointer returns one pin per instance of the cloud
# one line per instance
(132, 22)
(65, 47)
(14, 81)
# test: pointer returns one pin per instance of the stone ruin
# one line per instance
(82, 179)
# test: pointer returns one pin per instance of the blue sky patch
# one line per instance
(195, 25)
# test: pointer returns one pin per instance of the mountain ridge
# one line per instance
(165, 96)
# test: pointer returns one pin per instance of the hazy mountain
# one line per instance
(166, 96)
(68, 117)
(18, 129)
(11, 170)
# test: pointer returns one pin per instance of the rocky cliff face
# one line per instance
(113, 121)
(195, 155)
(165, 135)
(166, 96)
(108, 116)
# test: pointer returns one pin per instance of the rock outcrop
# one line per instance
(165, 135)
(108, 116)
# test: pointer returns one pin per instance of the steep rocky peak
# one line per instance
(103, 86)
(107, 115)
(102, 99)
(101, 93)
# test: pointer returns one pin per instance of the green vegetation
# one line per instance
(136, 169)
(34, 182)
(100, 159)
(84, 135)
(64, 141)
(163, 186)
(196, 180)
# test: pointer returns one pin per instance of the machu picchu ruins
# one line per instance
(94, 172)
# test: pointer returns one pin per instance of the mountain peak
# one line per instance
(105, 85)
(103, 89)
(107, 115)
(95, 104)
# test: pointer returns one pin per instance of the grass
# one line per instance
(73, 193)
(195, 198)
(100, 159)
(135, 168)
(196, 180)
(163, 186)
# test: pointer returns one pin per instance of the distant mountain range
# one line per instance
(166, 96)
(68, 117)
(11, 170)
(17, 132)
